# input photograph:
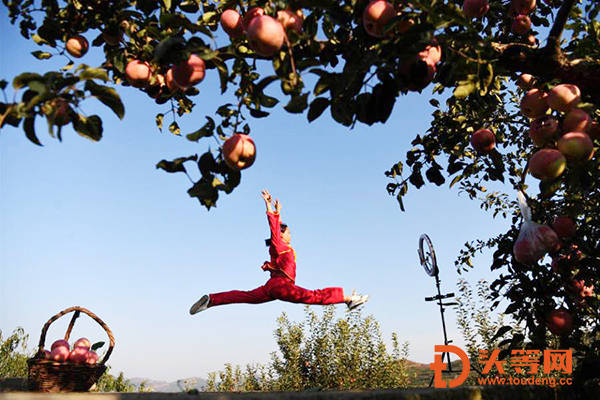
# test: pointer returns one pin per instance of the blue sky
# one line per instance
(97, 225)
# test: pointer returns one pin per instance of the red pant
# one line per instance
(279, 288)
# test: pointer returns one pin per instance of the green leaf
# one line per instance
(204, 191)
(94, 73)
(464, 89)
(223, 74)
(207, 164)
(97, 345)
(68, 66)
(159, 120)
(24, 78)
(176, 165)
(38, 39)
(88, 127)
(206, 131)
(174, 128)
(317, 107)
(41, 55)
(29, 128)
(258, 113)
(267, 101)
(108, 96)
(297, 104)
(38, 87)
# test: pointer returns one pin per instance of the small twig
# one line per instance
(469, 58)
(237, 117)
(289, 48)
(188, 176)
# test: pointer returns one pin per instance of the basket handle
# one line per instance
(78, 311)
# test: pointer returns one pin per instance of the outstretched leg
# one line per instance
(256, 296)
(296, 294)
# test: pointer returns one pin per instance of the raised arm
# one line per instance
(274, 222)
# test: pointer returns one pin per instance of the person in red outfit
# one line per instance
(282, 267)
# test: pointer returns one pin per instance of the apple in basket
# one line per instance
(91, 357)
(78, 355)
(60, 354)
(60, 342)
(82, 342)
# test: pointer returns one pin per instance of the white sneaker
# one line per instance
(200, 305)
(356, 300)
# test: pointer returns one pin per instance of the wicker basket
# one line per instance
(51, 376)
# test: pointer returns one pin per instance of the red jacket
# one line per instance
(283, 257)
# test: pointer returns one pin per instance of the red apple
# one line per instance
(138, 72)
(521, 24)
(59, 342)
(190, 72)
(82, 342)
(577, 120)
(576, 146)
(560, 322)
(91, 357)
(432, 54)
(483, 140)
(58, 111)
(525, 81)
(46, 355)
(77, 46)
(249, 16)
(543, 130)
(564, 226)
(78, 355)
(59, 353)
(563, 97)
(265, 35)
(418, 73)
(231, 22)
(291, 21)
(239, 151)
(376, 16)
(525, 252)
(594, 130)
(522, 6)
(549, 238)
(546, 164)
(170, 81)
(475, 8)
(533, 104)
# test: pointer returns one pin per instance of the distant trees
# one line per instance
(322, 353)
(13, 360)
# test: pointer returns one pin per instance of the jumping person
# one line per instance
(282, 267)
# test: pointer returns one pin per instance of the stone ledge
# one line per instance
(461, 393)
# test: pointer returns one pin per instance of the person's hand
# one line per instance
(277, 206)
(266, 196)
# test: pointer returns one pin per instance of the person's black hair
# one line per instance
(282, 227)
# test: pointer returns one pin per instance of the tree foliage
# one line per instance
(322, 353)
(13, 354)
(334, 64)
